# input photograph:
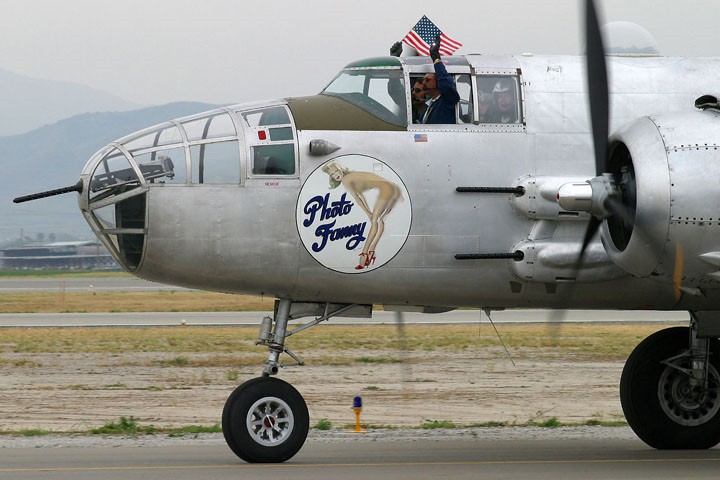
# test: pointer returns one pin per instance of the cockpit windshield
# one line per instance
(378, 91)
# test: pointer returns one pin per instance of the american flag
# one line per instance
(423, 35)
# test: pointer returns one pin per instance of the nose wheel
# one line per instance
(265, 420)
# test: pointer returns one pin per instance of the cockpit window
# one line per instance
(380, 92)
(465, 106)
(271, 141)
(499, 99)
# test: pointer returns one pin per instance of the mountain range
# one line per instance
(28, 103)
(52, 157)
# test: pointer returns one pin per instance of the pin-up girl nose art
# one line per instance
(354, 214)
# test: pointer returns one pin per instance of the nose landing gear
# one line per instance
(265, 420)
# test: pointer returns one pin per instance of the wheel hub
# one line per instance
(687, 404)
(270, 421)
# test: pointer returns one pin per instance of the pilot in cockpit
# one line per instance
(486, 108)
(504, 95)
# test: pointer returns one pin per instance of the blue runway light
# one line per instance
(357, 408)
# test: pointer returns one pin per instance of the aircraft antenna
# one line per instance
(487, 312)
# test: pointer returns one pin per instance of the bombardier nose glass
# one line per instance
(200, 149)
(114, 169)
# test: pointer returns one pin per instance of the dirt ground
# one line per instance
(76, 392)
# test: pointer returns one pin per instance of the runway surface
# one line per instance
(124, 319)
(456, 459)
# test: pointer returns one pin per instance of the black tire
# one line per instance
(260, 436)
(655, 400)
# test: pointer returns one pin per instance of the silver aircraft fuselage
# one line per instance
(287, 232)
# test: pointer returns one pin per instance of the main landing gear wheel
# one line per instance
(662, 403)
(265, 420)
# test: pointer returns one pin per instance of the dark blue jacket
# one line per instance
(443, 110)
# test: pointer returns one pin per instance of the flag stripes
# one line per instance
(423, 35)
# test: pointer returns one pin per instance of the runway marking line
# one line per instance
(327, 465)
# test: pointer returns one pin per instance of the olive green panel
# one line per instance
(325, 112)
(376, 62)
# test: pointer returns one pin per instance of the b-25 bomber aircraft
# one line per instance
(336, 202)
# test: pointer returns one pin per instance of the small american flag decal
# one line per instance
(420, 137)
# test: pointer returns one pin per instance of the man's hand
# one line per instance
(435, 49)
(396, 49)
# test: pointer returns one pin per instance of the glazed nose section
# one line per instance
(120, 178)
(114, 201)
(155, 174)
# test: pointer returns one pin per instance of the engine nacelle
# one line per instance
(668, 171)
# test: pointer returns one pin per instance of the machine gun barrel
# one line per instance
(78, 187)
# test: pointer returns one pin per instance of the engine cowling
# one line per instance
(667, 169)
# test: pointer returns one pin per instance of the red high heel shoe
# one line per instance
(363, 263)
(370, 258)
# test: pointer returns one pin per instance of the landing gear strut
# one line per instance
(265, 420)
(670, 389)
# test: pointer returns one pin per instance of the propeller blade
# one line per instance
(598, 94)
(592, 228)
(78, 187)
(618, 209)
(599, 109)
(597, 87)
(558, 316)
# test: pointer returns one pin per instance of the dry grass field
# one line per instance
(80, 379)
(582, 342)
(163, 301)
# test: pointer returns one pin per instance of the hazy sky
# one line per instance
(231, 51)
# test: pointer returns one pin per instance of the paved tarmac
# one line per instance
(407, 459)
(124, 319)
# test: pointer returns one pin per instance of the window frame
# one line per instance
(519, 96)
(253, 139)
(417, 70)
